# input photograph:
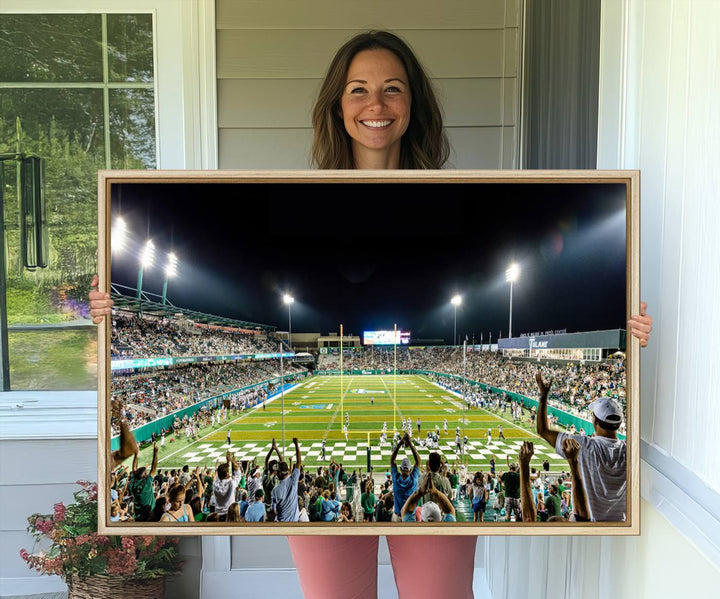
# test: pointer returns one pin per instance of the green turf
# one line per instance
(314, 410)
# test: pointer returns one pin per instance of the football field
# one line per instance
(319, 407)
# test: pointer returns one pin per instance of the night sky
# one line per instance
(373, 255)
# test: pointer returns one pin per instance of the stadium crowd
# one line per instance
(135, 336)
(577, 384)
(282, 490)
(146, 395)
(149, 395)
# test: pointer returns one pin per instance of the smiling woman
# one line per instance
(375, 108)
(363, 109)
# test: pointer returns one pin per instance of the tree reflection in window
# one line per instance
(77, 90)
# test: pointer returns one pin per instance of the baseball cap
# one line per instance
(259, 493)
(607, 410)
(405, 464)
(431, 512)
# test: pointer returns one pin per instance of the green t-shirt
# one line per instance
(367, 501)
(143, 496)
(552, 504)
(511, 482)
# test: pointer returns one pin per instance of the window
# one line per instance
(78, 91)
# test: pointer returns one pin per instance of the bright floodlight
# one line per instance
(119, 235)
(148, 255)
(171, 265)
(455, 301)
(513, 273)
(288, 299)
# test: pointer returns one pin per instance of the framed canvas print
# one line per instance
(369, 352)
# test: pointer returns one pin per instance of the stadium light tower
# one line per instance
(511, 275)
(289, 300)
(170, 271)
(146, 261)
(455, 301)
(118, 235)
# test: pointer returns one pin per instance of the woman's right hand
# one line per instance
(100, 302)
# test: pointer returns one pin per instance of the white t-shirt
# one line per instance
(603, 467)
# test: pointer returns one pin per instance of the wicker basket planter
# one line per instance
(116, 587)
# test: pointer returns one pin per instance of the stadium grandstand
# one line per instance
(204, 389)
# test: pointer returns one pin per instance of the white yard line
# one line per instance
(491, 413)
(334, 415)
(223, 427)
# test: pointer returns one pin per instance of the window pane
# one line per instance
(40, 48)
(54, 359)
(132, 128)
(65, 128)
(52, 343)
(50, 118)
(130, 48)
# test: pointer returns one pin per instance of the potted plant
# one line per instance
(67, 544)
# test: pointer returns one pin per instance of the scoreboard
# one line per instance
(386, 337)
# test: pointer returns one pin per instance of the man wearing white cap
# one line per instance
(439, 510)
(602, 458)
(404, 480)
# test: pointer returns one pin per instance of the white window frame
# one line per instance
(186, 138)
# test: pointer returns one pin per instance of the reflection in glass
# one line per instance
(130, 48)
(52, 343)
(132, 128)
(39, 48)
(54, 358)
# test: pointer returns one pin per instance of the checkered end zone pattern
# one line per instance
(350, 452)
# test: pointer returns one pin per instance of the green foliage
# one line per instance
(53, 358)
(66, 127)
(28, 304)
(71, 196)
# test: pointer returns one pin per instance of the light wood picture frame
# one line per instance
(587, 218)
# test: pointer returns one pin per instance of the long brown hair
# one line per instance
(424, 145)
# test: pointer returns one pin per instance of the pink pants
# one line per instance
(346, 566)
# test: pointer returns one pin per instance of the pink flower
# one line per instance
(128, 543)
(121, 561)
(43, 526)
(53, 566)
(24, 555)
(59, 512)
